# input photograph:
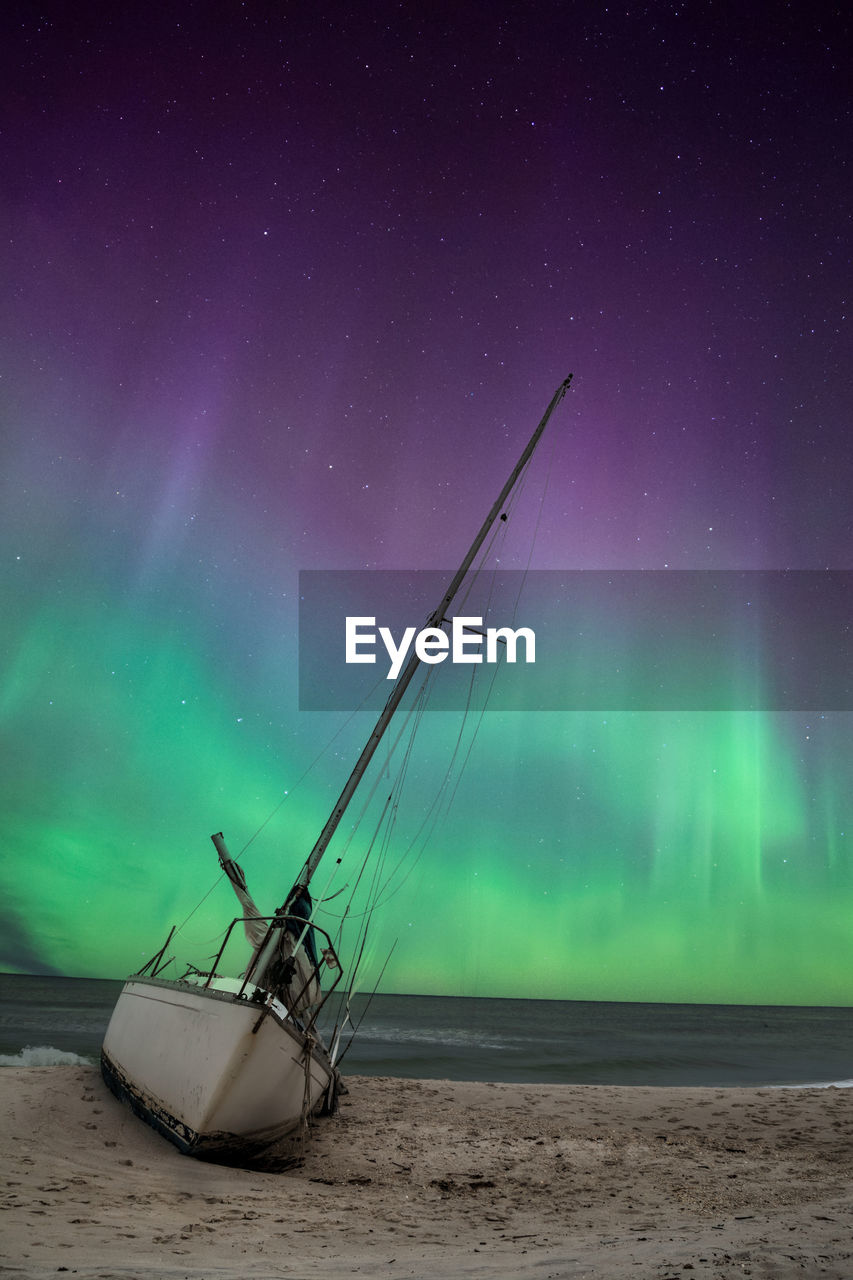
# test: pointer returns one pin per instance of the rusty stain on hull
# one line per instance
(225, 1148)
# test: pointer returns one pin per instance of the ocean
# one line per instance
(46, 1021)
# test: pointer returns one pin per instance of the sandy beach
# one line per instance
(439, 1179)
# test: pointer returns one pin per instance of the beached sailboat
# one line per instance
(225, 1067)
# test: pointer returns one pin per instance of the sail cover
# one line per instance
(290, 976)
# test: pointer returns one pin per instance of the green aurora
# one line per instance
(698, 857)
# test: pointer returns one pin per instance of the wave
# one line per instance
(828, 1084)
(43, 1055)
(448, 1037)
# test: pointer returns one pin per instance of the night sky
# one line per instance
(288, 287)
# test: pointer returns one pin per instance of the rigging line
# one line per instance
(380, 893)
(431, 817)
(355, 1026)
(284, 798)
(388, 757)
(345, 913)
(369, 694)
(431, 822)
(533, 540)
(479, 722)
(498, 537)
(417, 711)
(499, 531)
(491, 684)
(344, 1009)
(545, 487)
(364, 925)
(379, 884)
(391, 804)
(361, 944)
(428, 824)
(376, 891)
(287, 795)
(494, 675)
(468, 707)
(381, 889)
(201, 942)
(474, 734)
(434, 813)
(365, 917)
(477, 726)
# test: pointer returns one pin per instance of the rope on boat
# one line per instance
(305, 1116)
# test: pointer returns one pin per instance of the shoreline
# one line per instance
(433, 1178)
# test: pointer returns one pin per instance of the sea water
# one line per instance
(48, 1021)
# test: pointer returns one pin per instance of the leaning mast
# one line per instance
(404, 679)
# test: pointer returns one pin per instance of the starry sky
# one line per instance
(287, 287)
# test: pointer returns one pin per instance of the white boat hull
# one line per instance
(215, 1073)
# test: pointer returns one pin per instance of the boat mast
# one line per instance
(404, 679)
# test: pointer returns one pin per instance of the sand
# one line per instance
(438, 1179)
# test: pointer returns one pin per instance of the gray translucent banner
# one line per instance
(633, 640)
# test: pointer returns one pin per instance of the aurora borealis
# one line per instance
(287, 288)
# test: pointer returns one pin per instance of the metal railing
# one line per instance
(298, 927)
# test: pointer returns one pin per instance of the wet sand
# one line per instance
(439, 1179)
